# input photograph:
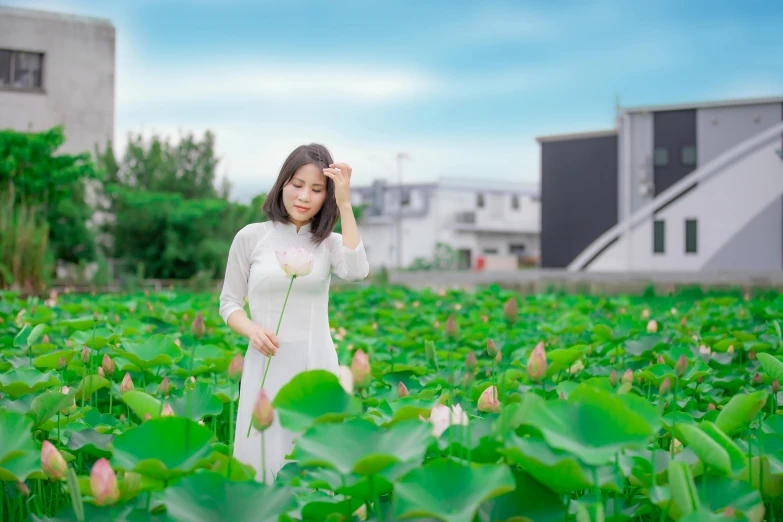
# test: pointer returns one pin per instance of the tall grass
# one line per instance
(24, 240)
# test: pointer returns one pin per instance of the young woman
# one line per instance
(310, 194)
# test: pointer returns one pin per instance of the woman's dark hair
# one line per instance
(324, 221)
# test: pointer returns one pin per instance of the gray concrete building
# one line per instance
(676, 188)
(58, 69)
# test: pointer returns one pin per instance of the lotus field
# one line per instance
(450, 406)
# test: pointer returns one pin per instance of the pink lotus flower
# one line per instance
(492, 349)
(511, 310)
(263, 413)
(167, 411)
(488, 401)
(652, 326)
(536, 365)
(402, 390)
(107, 364)
(52, 461)
(360, 367)
(127, 383)
(441, 417)
(235, 368)
(103, 483)
(197, 328)
(295, 262)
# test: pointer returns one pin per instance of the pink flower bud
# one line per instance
(492, 349)
(61, 363)
(488, 401)
(85, 355)
(100, 372)
(627, 377)
(710, 407)
(666, 385)
(164, 387)
(360, 367)
(652, 326)
(263, 413)
(52, 461)
(645, 314)
(107, 364)
(536, 365)
(402, 390)
(452, 332)
(103, 483)
(775, 386)
(757, 379)
(127, 383)
(197, 328)
(682, 366)
(660, 359)
(511, 310)
(167, 411)
(613, 377)
(470, 361)
(235, 368)
(23, 489)
(147, 416)
(751, 355)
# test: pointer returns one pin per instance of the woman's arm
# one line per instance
(232, 296)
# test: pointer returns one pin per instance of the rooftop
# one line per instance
(52, 15)
(705, 105)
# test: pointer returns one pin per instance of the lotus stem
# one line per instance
(277, 330)
(376, 498)
(231, 427)
(263, 459)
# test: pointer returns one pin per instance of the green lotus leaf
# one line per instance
(365, 448)
(51, 361)
(163, 448)
(155, 350)
(449, 491)
(46, 405)
(95, 339)
(90, 385)
(22, 381)
(19, 455)
(90, 441)
(772, 366)
(203, 402)
(313, 396)
(740, 411)
(142, 403)
(208, 496)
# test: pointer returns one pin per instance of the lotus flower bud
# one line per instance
(69, 343)
(235, 368)
(107, 364)
(429, 353)
(511, 310)
(197, 328)
(730, 349)
(660, 359)
(674, 311)
(69, 410)
(85, 355)
(666, 385)
(751, 355)
(775, 386)
(402, 390)
(683, 321)
(561, 396)
(263, 413)
(61, 363)
(345, 376)
(492, 349)
(452, 332)
(710, 407)
(122, 417)
(100, 372)
(757, 379)
(23, 489)
(728, 512)
(127, 383)
(45, 339)
(103, 483)
(645, 314)
(360, 367)
(167, 411)
(470, 361)
(652, 326)
(681, 367)
(577, 367)
(147, 416)
(488, 401)
(164, 387)
(613, 377)
(627, 377)
(536, 365)
(52, 462)
(95, 316)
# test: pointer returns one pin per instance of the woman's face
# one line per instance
(303, 195)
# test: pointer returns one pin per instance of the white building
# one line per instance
(484, 224)
(57, 69)
(686, 188)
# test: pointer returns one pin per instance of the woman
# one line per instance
(310, 194)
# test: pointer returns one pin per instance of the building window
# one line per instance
(691, 236)
(480, 200)
(405, 198)
(688, 155)
(491, 251)
(515, 202)
(21, 70)
(516, 249)
(661, 156)
(659, 237)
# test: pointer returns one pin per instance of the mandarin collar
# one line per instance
(290, 228)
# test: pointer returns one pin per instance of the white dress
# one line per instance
(305, 337)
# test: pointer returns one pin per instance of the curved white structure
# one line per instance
(724, 197)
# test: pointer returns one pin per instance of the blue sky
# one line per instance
(461, 87)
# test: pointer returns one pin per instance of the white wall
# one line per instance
(720, 128)
(78, 77)
(724, 204)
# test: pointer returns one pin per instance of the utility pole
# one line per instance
(400, 156)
